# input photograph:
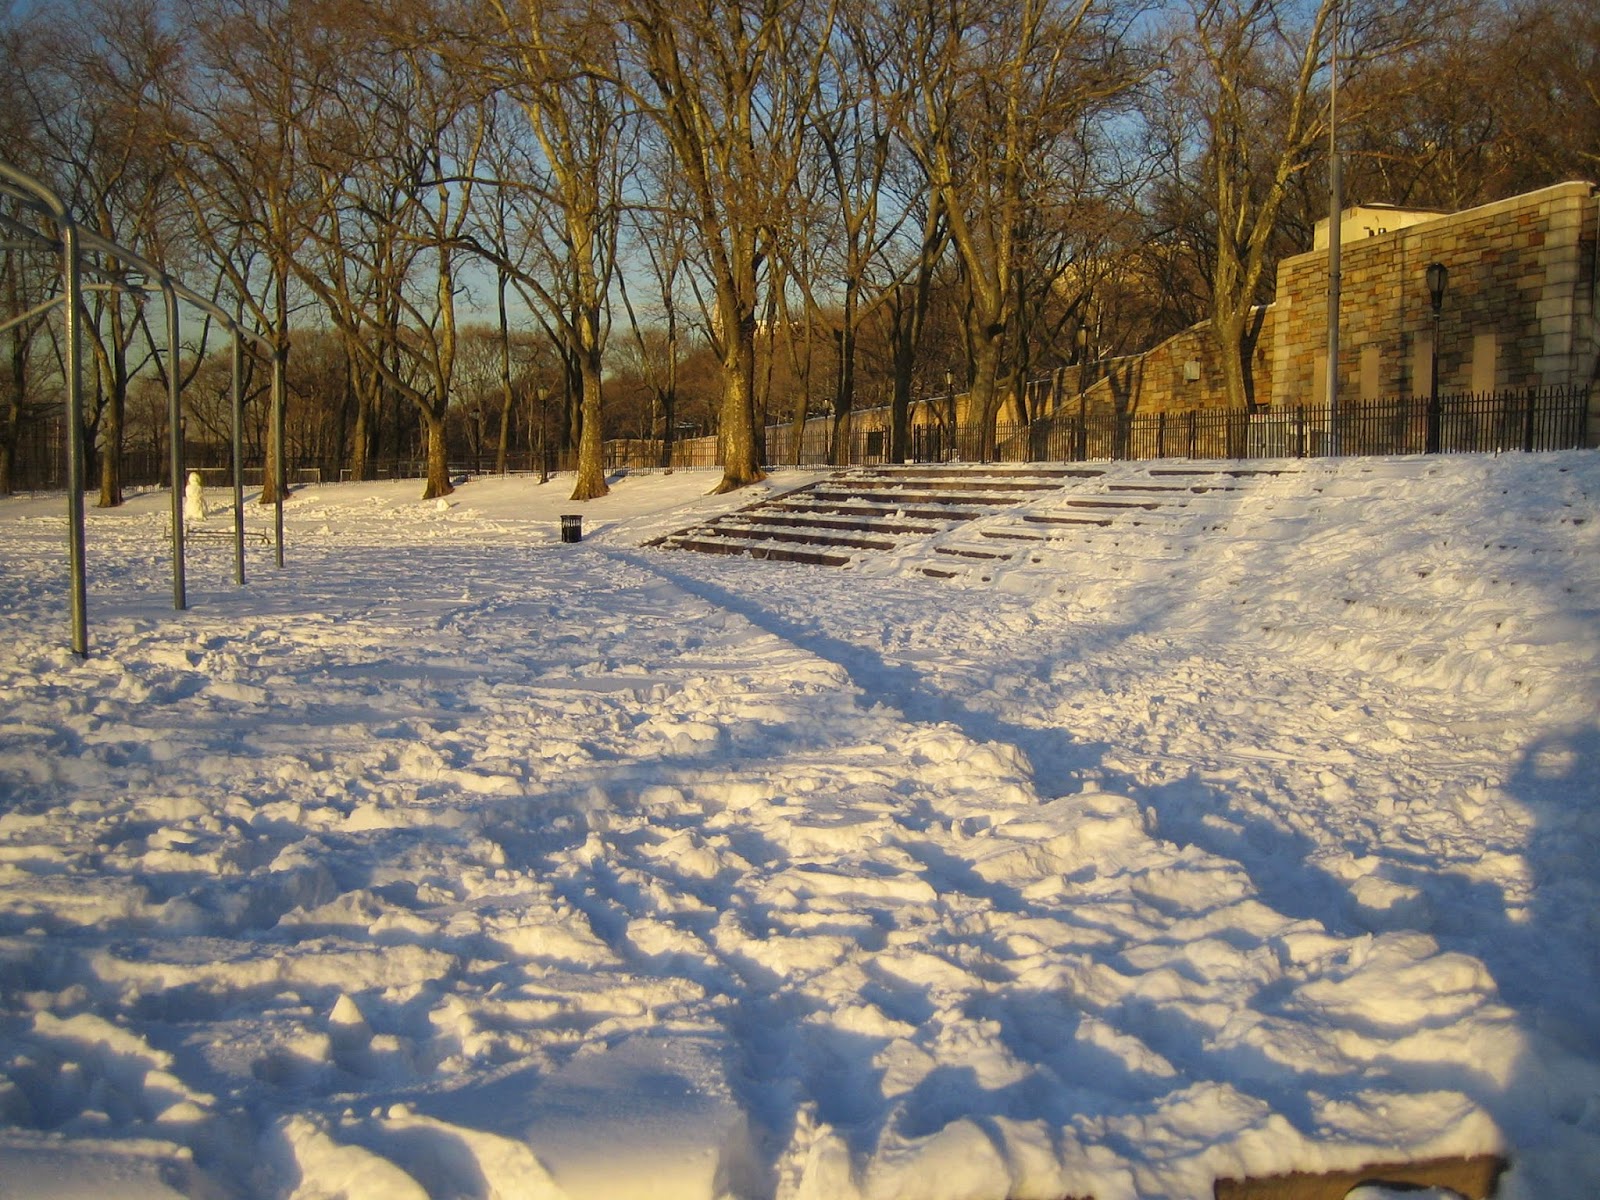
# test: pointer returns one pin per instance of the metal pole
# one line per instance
(180, 598)
(46, 202)
(544, 426)
(1335, 170)
(238, 457)
(72, 242)
(1438, 277)
(278, 428)
(1335, 237)
(72, 285)
(1432, 446)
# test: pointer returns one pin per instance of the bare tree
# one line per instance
(706, 77)
(90, 105)
(239, 125)
(659, 234)
(862, 110)
(1501, 98)
(1257, 74)
(415, 182)
(29, 272)
(1001, 85)
(559, 65)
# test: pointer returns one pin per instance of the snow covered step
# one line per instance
(1230, 472)
(927, 496)
(976, 483)
(1012, 535)
(1050, 519)
(809, 536)
(991, 471)
(864, 523)
(755, 550)
(1148, 505)
(886, 509)
(1473, 1176)
(972, 552)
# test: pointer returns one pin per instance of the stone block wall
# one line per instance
(1159, 380)
(1519, 309)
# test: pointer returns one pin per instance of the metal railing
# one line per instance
(1526, 419)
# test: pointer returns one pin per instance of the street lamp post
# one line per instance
(954, 415)
(1438, 275)
(544, 425)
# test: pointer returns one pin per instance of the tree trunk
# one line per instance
(11, 417)
(503, 444)
(368, 387)
(669, 425)
(116, 364)
(986, 394)
(111, 456)
(843, 402)
(273, 469)
(438, 482)
(903, 339)
(21, 338)
(741, 465)
(1231, 332)
(591, 480)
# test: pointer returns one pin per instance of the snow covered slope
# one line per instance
(455, 861)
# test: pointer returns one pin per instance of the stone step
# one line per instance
(772, 553)
(806, 537)
(922, 497)
(1231, 472)
(969, 552)
(1008, 535)
(758, 517)
(1147, 505)
(962, 483)
(1054, 475)
(866, 509)
(1044, 519)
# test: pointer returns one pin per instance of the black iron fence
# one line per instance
(1471, 423)
(1525, 419)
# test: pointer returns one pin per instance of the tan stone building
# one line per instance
(1521, 309)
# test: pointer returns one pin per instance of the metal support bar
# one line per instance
(72, 297)
(180, 597)
(44, 201)
(73, 241)
(278, 383)
(238, 458)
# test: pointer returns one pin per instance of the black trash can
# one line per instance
(571, 527)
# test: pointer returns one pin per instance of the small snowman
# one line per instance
(194, 499)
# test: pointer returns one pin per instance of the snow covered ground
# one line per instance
(454, 861)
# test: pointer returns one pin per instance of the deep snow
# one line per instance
(453, 861)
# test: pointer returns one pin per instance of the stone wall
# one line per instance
(1519, 309)
(1182, 374)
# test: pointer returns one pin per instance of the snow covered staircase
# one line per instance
(1131, 508)
(872, 510)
